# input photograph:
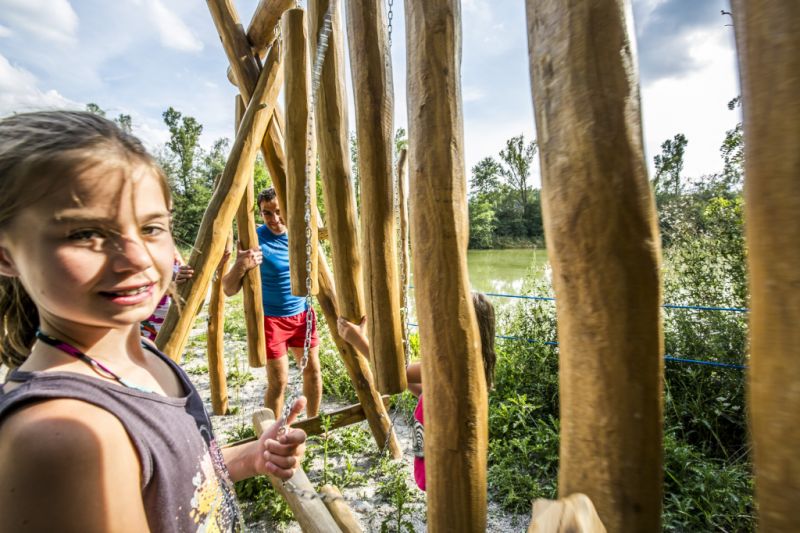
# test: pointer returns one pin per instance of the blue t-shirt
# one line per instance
(276, 284)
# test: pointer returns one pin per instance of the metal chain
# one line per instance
(391, 16)
(316, 75)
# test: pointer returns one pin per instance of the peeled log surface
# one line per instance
(251, 284)
(334, 162)
(456, 409)
(603, 243)
(372, 88)
(300, 152)
(261, 31)
(768, 43)
(217, 219)
(215, 340)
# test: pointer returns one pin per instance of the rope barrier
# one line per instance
(667, 357)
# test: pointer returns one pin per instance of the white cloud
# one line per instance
(172, 31)
(19, 91)
(51, 20)
(5, 32)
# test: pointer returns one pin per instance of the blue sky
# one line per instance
(141, 56)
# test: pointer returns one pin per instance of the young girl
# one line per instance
(98, 430)
(355, 334)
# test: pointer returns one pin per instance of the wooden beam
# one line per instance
(334, 162)
(221, 209)
(300, 153)
(339, 510)
(310, 513)
(768, 44)
(372, 89)
(456, 408)
(261, 32)
(215, 340)
(251, 283)
(404, 258)
(340, 418)
(604, 246)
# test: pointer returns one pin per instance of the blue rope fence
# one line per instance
(668, 357)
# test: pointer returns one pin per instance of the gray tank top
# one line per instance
(185, 484)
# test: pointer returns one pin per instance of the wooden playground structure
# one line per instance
(600, 222)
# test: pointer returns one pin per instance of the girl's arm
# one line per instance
(414, 378)
(246, 260)
(354, 334)
(68, 466)
(274, 454)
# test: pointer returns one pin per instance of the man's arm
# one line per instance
(246, 260)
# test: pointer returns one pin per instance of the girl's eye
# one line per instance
(84, 235)
(153, 230)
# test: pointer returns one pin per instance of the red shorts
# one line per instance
(283, 332)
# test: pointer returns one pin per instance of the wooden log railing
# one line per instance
(456, 409)
(768, 43)
(300, 156)
(334, 161)
(339, 510)
(604, 246)
(262, 30)
(272, 149)
(251, 283)
(372, 88)
(310, 513)
(221, 209)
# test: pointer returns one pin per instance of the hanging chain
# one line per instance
(310, 167)
(391, 15)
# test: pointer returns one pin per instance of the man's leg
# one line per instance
(277, 377)
(312, 379)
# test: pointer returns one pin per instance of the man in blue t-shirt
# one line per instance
(285, 315)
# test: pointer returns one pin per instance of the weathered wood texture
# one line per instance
(240, 56)
(404, 259)
(372, 89)
(221, 209)
(357, 366)
(334, 162)
(456, 409)
(573, 514)
(768, 42)
(340, 511)
(338, 419)
(603, 243)
(300, 152)
(311, 513)
(215, 340)
(261, 32)
(251, 284)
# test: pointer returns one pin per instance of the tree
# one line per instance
(485, 176)
(732, 151)
(669, 165)
(516, 161)
(183, 143)
(91, 107)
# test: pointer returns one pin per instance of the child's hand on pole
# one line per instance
(281, 452)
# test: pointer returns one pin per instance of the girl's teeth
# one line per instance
(131, 292)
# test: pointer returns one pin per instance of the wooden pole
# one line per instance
(215, 340)
(372, 88)
(300, 152)
(221, 209)
(334, 161)
(272, 150)
(768, 43)
(404, 258)
(261, 31)
(604, 245)
(251, 284)
(310, 513)
(339, 510)
(456, 409)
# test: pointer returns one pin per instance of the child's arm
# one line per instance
(246, 260)
(67, 465)
(271, 453)
(414, 378)
(355, 334)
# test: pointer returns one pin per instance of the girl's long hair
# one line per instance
(40, 152)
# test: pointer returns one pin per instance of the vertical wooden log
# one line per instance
(404, 266)
(300, 152)
(603, 242)
(310, 513)
(251, 284)
(334, 162)
(261, 30)
(768, 42)
(456, 408)
(372, 87)
(215, 340)
(221, 209)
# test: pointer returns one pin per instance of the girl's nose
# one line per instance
(131, 255)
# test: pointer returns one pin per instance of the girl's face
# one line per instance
(96, 252)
